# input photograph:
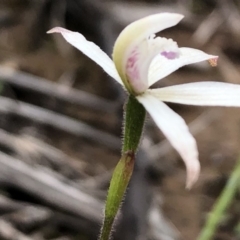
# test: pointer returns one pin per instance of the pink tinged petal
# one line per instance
(131, 49)
(90, 49)
(141, 57)
(136, 81)
(176, 131)
(200, 93)
(162, 66)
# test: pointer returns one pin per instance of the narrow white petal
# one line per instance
(201, 93)
(176, 131)
(162, 67)
(90, 49)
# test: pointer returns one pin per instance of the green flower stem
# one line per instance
(133, 126)
(134, 122)
(221, 205)
(118, 185)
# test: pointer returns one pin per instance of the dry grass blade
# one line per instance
(160, 227)
(49, 189)
(58, 121)
(28, 147)
(8, 232)
(7, 205)
(60, 91)
(208, 28)
(29, 217)
(230, 12)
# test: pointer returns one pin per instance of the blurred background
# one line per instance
(61, 122)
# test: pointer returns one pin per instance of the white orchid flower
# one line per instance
(140, 59)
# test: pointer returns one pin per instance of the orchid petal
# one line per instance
(133, 50)
(162, 67)
(90, 49)
(141, 57)
(176, 131)
(200, 93)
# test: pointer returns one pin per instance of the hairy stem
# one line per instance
(118, 185)
(134, 122)
(133, 126)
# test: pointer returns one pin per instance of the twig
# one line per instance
(208, 28)
(8, 232)
(58, 121)
(230, 12)
(7, 205)
(160, 227)
(60, 91)
(47, 188)
(29, 147)
(29, 217)
(97, 182)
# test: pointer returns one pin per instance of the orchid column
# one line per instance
(140, 59)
